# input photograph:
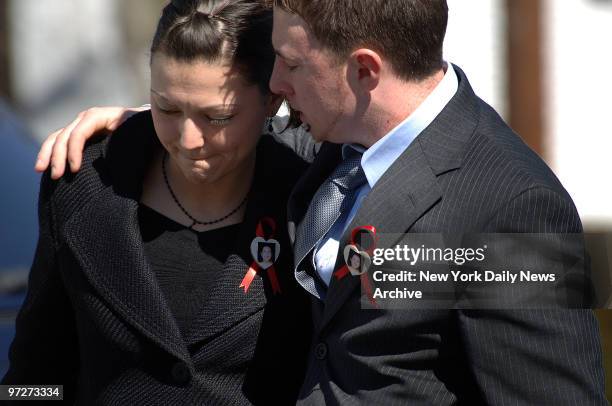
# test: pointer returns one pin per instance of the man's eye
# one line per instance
(289, 66)
(220, 121)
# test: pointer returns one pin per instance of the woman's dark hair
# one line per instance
(237, 32)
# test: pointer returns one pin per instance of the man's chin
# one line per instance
(313, 131)
(319, 136)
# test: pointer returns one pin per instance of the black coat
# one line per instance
(95, 320)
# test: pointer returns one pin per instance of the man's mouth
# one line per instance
(305, 124)
(301, 116)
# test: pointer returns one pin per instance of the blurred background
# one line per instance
(541, 63)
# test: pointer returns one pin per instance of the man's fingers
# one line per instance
(94, 121)
(90, 123)
(69, 142)
(60, 148)
(76, 145)
(44, 155)
(58, 155)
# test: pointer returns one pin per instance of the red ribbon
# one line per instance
(254, 269)
(370, 230)
(249, 276)
(260, 230)
(344, 271)
(273, 280)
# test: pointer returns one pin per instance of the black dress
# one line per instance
(97, 321)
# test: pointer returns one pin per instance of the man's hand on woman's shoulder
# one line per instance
(68, 143)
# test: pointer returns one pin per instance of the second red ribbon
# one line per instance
(265, 251)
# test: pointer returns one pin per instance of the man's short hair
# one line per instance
(408, 33)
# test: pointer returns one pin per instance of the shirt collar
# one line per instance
(379, 157)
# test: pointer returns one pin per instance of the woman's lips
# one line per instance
(198, 159)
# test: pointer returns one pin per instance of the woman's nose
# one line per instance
(192, 136)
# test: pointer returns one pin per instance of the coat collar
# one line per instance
(108, 223)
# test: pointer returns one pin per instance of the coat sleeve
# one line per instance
(44, 350)
(540, 356)
(297, 139)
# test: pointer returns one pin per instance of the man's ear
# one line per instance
(366, 66)
(273, 104)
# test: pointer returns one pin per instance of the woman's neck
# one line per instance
(205, 201)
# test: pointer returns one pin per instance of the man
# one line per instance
(368, 78)
(437, 160)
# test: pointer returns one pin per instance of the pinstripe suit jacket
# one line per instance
(466, 172)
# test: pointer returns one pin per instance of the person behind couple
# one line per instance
(134, 293)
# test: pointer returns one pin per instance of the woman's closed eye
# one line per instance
(217, 121)
(220, 121)
(168, 111)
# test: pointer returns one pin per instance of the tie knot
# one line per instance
(349, 173)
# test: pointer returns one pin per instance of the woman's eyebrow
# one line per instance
(212, 107)
(159, 95)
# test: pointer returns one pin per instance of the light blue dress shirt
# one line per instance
(376, 161)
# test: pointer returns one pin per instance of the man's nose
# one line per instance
(278, 84)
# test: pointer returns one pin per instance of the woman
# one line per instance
(144, 288)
